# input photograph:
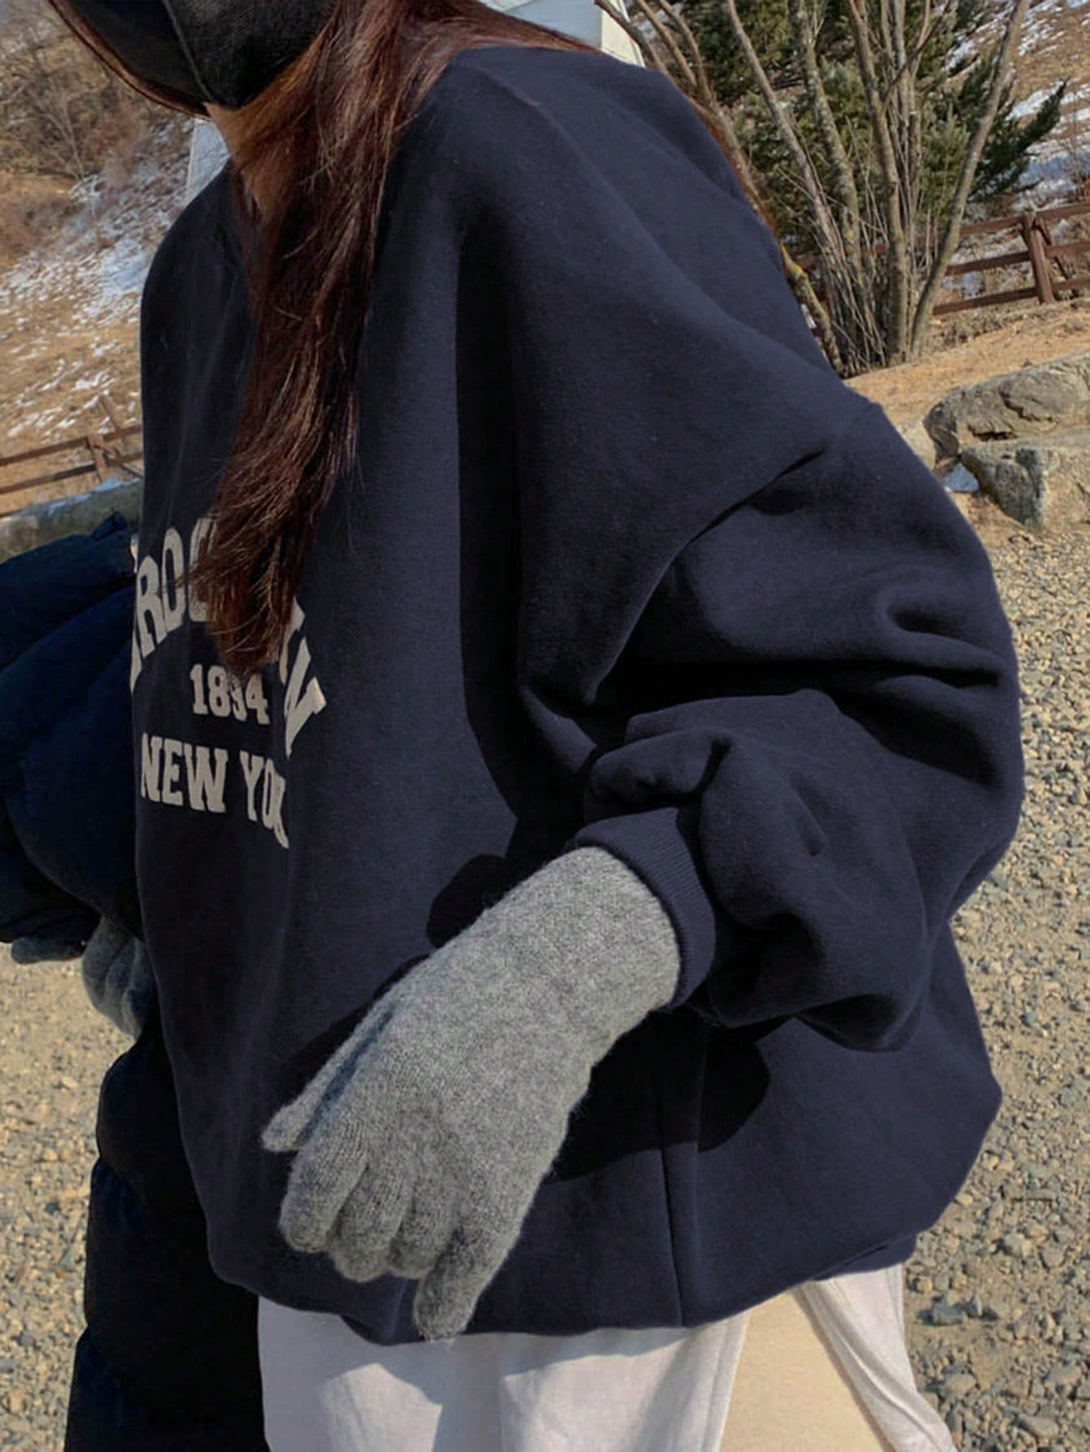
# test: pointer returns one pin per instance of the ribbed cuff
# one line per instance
(654, 845)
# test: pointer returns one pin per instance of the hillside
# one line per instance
(997, 1292)
(1056, 47)
(69, 307)
(73, 259)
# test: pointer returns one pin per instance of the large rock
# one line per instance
(1032, 401)
(78, 515)
(919, 441)
(1043, 482)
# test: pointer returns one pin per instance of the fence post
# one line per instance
(112, 413)
(97, 447)
(1038, 258)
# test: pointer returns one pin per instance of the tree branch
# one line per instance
(787, 131)
(952, 233)
(847, 195)
(890, 176)
(649, 12)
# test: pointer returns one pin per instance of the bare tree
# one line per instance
(877, 250)
(675, 51)
(952, 232)
(38, 93)
(62, 113)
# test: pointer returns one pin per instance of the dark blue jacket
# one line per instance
(621, 561)
(168, 1362)
(66, 803)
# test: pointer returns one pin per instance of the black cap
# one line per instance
(220, 51)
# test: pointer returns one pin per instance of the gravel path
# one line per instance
(998, 1292)
(54, 1050)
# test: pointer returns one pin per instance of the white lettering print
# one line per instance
(151, 751)
(197, 610)
(302, 698)
(162, 597)
(150, 629)
(162, 760)
(169, 783)
(206, 778)
(273, 787)
(265, 791)
(172, 581)
(252, 768)
(196, 776)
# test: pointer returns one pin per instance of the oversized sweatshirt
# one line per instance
(66, 794)
(620, 562)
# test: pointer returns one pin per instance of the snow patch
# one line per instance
(89, 276)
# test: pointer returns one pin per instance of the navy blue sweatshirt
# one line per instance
(621, 562)
(66, 797)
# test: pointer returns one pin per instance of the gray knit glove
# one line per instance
(117, 977)
(36, 949)
(422, 1141)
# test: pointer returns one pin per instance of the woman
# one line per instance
(168, 1357)
(567, 718)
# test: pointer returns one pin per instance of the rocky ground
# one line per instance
(976, 346)
(53, 1052)
(998, 1292)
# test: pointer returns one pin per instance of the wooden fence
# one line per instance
(1056, 269)
(102, 454)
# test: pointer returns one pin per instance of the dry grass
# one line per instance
(60, 352)
(1058, 46)
(1008, 341)
(30, 208)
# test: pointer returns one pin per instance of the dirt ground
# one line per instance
(1003, 342)
(998, 1293)
(997, 1303)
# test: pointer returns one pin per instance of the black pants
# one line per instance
(168, 1362)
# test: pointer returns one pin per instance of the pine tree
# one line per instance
(865, 127)
(951, 87)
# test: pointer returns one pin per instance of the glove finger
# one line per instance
(292, 1125)
(106, 945)
(359, 1244)
(427, 1228)
(36, 948)
(447, 1296)
(325, 1172)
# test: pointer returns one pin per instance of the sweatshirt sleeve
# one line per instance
(823, 756)
(752, 627)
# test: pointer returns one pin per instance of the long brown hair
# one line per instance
(326, 130)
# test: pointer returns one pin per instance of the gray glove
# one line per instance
(118, 978)
(45, 950)
(422, 1141)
